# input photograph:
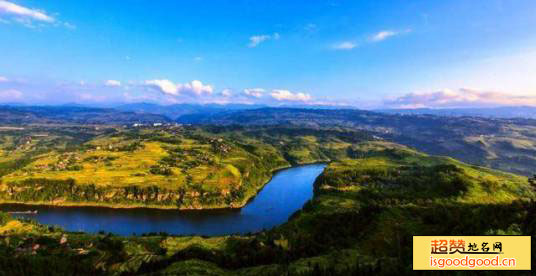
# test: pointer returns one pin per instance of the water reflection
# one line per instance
(288, 190)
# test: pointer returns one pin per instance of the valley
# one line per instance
(362, 216)
(267, 138)
(380, 186)
(169, 167)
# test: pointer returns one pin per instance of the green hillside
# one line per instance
(361, 220)
(504, 144)
(161, 167)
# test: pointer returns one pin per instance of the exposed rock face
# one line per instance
(66, 191)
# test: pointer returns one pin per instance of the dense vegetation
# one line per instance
(168, 166)
(368, 203)
(23, 115)
(361, 221)
(504, 144)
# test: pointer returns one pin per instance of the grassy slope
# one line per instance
(363, 215)
(104, 162)
(504, 144)
(168, 167)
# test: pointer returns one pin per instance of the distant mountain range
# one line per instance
(19, 115)
(177, 110)
(491, 112)
(503, 143)
(188, 112)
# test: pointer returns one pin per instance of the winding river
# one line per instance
(286, 193)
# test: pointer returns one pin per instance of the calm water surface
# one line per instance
(286, 193)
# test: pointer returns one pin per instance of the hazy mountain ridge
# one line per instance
(377, 199)
(506, 144)
(73, 114)
(175, 111)
(373, 194)
(492, 112)
(190, 112)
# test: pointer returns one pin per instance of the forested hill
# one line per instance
(506, 144)
(348, 118)
(491, 112)
(17, 115)
(365, 210)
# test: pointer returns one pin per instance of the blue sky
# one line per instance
(363, 53)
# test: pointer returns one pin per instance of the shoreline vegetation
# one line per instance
(167, 167)
(360, 220)
(371, 198)
(157, 207)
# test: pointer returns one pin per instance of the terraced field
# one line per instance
(161, 167)
(361, 221)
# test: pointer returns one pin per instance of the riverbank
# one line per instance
(248, 197)
(286, 192)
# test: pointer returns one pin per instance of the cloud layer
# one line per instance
(254, 92)
(160, 90)
(255, 40)
(226, 93)
(112, 83)
(21, 12)
(345, 45)
(382, 35)
(385, 34)
(10, 95)
(463, 97)
(167, 87)
(285, 95)
(377, 37)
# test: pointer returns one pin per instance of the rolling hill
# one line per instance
(23, 115)
(505, 144)
(365, 210)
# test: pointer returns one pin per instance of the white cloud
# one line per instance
(380, 36)
(254, 92)
(197, 87)
(255, 40)
(112, 83)
(3, 79)
(463, 97)
(10, 94)
(345, 45)
(226, 92)
(285, 95)
(164, 86)
(383, 35)
(167, 87)
(23, 12)
(311, 28)
(69, 26)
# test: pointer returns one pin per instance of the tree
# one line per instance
(532, 182)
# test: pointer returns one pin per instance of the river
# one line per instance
(283, 195)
